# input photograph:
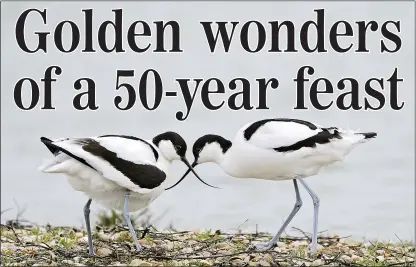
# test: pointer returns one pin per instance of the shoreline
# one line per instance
(67, 246)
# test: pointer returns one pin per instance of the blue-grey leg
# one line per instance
(87, 222)
(127, 218)
(315, 215)
(295, 209)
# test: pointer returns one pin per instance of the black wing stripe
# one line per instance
(137, 139)
(323, 137)
(56, 149)
(145, 176)
(248, 133)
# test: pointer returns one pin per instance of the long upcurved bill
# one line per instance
(187, 172)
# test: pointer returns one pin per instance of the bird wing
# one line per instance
(125, 160)
(284, 135)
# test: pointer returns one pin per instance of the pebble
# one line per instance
(187, 250)
(367, 245)
(380, 258)
(52, 255)
(76, 259)
(297, 244)
(28, 239)
(238, 262)
(264, 263)
(356, 258)
(115, 237)
(349, 242)
(219, 261)
(277, 249)
(224, 246)
(318, 247)
(169, 245)
(317, 262)
(280, 244)
(138, 262)
(364, 252)
(68, 262)
(245, 241)
(103, 236)
(380, 252)
(297, 263)
(408, 259)
(52, 243)
(104, 252)
(83, 240)
(205, 254)
(205, 262)
(79, 234)
(8, 246)
(345, 258)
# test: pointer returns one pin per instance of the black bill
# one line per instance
(187, 172)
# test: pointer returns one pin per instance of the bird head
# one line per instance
(208, 148)
(173, 147)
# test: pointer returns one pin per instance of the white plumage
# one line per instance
(279, 149)
(120, 172)
(257, 158)
(106, 184)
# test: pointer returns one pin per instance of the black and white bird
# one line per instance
(120, 172)
(279, 149)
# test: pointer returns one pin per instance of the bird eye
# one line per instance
(177, 147)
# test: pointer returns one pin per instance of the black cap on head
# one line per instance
(177, 141)
(207, 139)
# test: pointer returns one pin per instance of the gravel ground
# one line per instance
(52, 246)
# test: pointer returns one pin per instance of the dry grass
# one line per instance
(32, 245)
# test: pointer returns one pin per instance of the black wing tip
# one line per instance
(369, 135)
(48, 143)
(45, 140)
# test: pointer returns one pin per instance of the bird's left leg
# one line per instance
(87, 222)
(298, 204)
(315, 215)
(127, 218)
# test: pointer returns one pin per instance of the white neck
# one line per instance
(211, 153)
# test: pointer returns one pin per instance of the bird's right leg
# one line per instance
(145, 232)
(298, 204)
(87, 222)
(127, 218)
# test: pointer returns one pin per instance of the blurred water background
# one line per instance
(370, 195)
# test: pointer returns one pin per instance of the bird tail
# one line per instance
(48, 165)
(368, 135)
(52, 165)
